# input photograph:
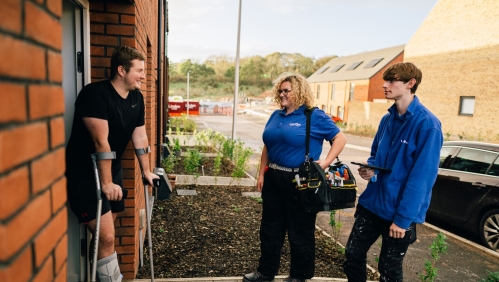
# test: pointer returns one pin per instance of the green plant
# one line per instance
(257, 199)
(376, 258)
(236, 208)
(228, 148)
(176, 145)
(241, 157)
(217, 163)
(161, 230)
(169, 163)
(491, 277)
(192, 161)
(438, 247)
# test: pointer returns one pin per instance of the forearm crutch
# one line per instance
(139, 152)
(98, 157)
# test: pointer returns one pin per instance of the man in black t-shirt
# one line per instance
(108, 114)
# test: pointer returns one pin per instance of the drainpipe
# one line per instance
(159, 109)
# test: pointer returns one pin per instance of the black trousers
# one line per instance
(365, 231)
(281, 213)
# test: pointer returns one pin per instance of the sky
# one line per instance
(313, 28)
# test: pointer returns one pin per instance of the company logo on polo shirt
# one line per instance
(404, 141)
(295, 124)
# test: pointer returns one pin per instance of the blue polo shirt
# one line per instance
(284, 136)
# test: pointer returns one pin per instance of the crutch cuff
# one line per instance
(104, 156)
(143, 151)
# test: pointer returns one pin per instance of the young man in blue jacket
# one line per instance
(408, 142)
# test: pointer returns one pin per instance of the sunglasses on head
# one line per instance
(286, 91)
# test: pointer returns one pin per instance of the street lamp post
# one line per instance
(236, 82)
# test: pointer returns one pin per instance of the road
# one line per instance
(465, 259)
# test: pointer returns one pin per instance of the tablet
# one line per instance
(372, 166)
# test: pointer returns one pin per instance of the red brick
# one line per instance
(98, 72)
(61, 253)
(55, 6)
(126, 267)
(103, 40)
(47, 169)
(124, 231)
(127, 221)
(128, 274)
(11, 15)
(126, 19)
(45, 101)
(41, 27)
(13, 105)
(125, 30)
(59, 195)
(29, 60)
(130, 42)
(19, 269)
(96, 6)
(46, 273)
(103, 17)
(62, 275)
(97, 51)
(17, 232)
(100, 62)
(17, 180)
(22, 144)
(96, 28)
(127, 259)
(120, 8)
(47, 240)
(57, 136)
(127, 240)
(55, 66)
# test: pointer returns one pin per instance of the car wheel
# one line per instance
(489, 229)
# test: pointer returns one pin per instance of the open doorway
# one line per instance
(75, 60)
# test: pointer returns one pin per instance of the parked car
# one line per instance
(466, 192)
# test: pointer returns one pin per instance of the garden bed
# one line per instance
(216, 234)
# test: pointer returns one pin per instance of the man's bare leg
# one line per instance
(107, 261)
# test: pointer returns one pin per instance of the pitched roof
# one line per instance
(355, 67)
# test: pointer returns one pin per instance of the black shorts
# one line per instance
(83, 200)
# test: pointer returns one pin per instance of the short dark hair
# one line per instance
(123, 56)
(404, 72)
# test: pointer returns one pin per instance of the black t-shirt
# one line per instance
(100, 100)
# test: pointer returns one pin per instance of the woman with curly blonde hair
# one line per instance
(283, 152)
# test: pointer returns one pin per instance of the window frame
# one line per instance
(461, 100)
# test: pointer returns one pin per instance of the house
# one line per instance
(359, 77)
(50, 50)
(459, 60)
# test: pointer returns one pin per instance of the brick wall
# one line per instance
(33, 214)
(376, 82)
(460, 58)
(136, 26)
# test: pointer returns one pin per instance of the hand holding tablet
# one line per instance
(372, 167)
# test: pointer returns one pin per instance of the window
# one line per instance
(340, 112)
(444, 153)
(354, 65)
(373, 63)
(332, 111)
(321, 70)
(333, 90)
(352, 91)
(337, 68)
(494, 170)
(466, 105)
(471, 160)
(318, 91)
